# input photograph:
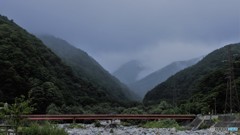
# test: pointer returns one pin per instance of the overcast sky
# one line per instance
(156, 32)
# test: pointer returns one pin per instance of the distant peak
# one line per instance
(129, 72)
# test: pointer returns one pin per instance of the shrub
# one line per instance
(75, 126)
(97, 124)
(12, 113)
(168, 123)
(46, 129)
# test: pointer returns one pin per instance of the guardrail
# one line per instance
(109, 117)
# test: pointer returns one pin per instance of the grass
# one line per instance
(75, 126)
(97, 124)
(46, 129)
(127, 124)
(215, 120)
(162, 124)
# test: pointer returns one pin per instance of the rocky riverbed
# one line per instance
(90, 129)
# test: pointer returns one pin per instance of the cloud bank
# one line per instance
(155, 32)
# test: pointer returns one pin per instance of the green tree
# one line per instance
(133, 110)
(46, 94)
(53, 109)
(14, 111)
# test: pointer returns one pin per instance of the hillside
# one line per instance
(128, 72)
(141, 87)
(28, 67)
(200, 84)
(87, 68)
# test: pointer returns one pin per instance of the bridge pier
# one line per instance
(74, 120)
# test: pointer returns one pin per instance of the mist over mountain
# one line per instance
(29, 68)
(114, 32)
(199, 85)
(87, 68)
(128, 72)
(142, 86)
(120, 56)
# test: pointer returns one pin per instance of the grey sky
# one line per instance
(156, 32)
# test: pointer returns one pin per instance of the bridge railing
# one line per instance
(109, 117)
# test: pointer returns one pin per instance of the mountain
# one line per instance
(87, 68)
(128, 72)
(29, 68)
(202, 86)
(142, 86)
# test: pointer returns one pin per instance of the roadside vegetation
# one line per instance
(168, 123)
(44, 129)
(10, 114)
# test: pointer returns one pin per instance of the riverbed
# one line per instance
(90, 129)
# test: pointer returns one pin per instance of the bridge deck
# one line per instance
(109, 117)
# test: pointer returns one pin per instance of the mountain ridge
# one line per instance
(153, 79)
(87, 68)
(128, 72)
(29, 68)
(196, 87)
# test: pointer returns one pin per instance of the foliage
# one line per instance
(46, 129)
(97, 124)
(2, 115)
(133, 110)
(168, 123)
(53, 109)
(75, 126)
(87, 68)
(163, 108)
(72, 109)
(216, 120)
(198, 87)
(126, 123)
(28, 67)
(12, 113)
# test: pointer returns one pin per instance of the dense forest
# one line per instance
(202, 87)
(86, 68)
(29, 68)
(64, 85)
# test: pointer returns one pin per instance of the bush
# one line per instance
(132, 122)
(162, 124)
(12, 113)
(97, 124)
(75, 126)
(46, 129)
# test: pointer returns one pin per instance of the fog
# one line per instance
(155, 32)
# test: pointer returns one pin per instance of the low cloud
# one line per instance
(163, 54)
(154, 57)
(155, 32)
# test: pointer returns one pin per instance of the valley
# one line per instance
(119, 67)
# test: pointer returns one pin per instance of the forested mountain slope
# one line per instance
(28, 67)
(141, 87)
(202, 83)
(87, 68)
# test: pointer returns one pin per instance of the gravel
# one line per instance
(90, 129)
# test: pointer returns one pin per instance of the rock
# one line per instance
(134, 130)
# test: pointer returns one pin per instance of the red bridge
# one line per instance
(110, 117)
